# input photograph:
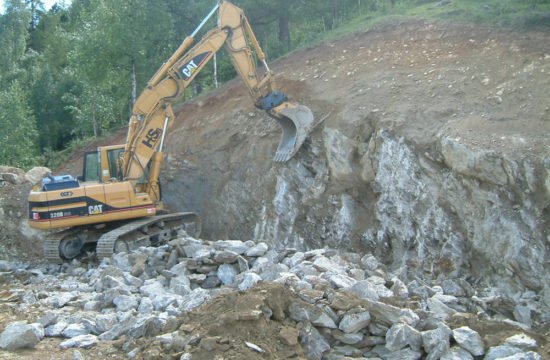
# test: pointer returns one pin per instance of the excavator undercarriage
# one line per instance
(116, 237)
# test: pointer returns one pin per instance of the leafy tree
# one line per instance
(19, 135)
(13, 37)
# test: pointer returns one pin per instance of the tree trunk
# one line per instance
(134, 83)
(284, 30)
(215, 71)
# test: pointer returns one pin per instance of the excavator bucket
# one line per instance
(297, 122)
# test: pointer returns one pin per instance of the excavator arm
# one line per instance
(152, 113)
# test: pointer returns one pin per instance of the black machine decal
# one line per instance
(152, 137)
(66, 193)
(192, 65)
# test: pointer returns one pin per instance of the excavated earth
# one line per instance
(431, 154)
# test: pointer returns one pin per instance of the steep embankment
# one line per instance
(433, 154)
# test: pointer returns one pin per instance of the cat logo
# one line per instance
(66, 193)
(95, 209)
(190, 67)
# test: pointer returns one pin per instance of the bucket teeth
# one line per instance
(296, 122)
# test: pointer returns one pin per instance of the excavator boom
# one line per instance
(121, 182)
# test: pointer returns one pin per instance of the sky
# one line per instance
(47, 4)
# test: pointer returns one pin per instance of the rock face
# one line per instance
(445, 185)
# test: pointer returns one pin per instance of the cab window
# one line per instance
(114, 157)
(91, 166)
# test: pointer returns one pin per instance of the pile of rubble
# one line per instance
(333, 306)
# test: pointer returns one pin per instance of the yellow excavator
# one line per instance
(116, 204)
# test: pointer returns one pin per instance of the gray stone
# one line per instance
(469, 340)
(225, 257)
(38, 330)
(120, 328)
(501, 352)
(120, 260)
(125, 302)
(313, 342)
(438, 351)
(350, 339)
(161, 302)
(402, 335)
(440, 310)
(257, 250)
(399, 289)
(340, 281)
(198, 251)
(249, 279)
(357, 274)
(211, 282)
(522, 314)
(390, 314)
(132, 280)
(432, 338)
(55, 330)
(521, 341)
(194, 299)
(145, 306)
(325, 264)
(451, 287)
(369, 262)
(273, 272)
(104, 322)
(311, 313)
(73, 330)
(61, 299)
(226, 273)
(365, 290)
(404, 354)
(47, 319)
(152, 288)
(351, 323)
(243, 264)
(373, 341)
(295, 259)
(457, 353)
(18, 335)
(180, 285)
(530, 355)
(80, 341)
(236, 246)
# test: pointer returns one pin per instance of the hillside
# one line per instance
(433, 157)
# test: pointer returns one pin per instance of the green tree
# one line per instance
(19, 135)
(13, 37)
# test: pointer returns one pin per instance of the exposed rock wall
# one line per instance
(452, 210)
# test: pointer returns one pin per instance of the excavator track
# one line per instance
(153, 230)
(51, 245)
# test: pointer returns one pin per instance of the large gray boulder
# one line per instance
(18, 335)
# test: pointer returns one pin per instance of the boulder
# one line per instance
(80, 341)
(470, 340)
(18, 335)
(401, 335)
(36, 174)
(351, 323)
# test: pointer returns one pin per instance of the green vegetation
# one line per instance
(70, 74)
